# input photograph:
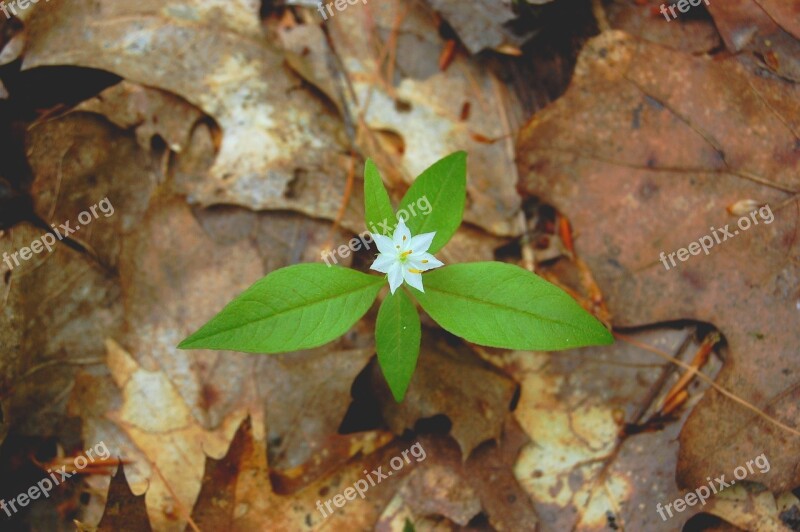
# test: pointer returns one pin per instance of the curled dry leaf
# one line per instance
(280, 147)
(425, 107)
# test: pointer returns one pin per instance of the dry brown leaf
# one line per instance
(574, 406)
(750, 507)
(445, 485)
(277, 141)
(171, 445)
(237, 494)
(124, 510)
(80, 159)
(644, 21)
(482, 24)
(425, 106)
(477, 402)
(307, 396)
(152, 113)
(643, 160)
(764, 27)
(46, 293)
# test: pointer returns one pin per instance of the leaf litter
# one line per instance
(228, 151)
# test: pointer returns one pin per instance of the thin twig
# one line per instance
(710, 382)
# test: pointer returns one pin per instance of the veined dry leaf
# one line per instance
(642, 161)
(579, 471)
(237, 494)
(477, 403)
(79, 160)
(424, 106)
(42, 342)
(171, 445)
(768, 28)
(280, 147)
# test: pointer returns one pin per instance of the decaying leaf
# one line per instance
(767, 28)
(750, 507)
(169, 444)
(426, 106)
(44, 294)
(477, 403)
(643, 163)
(485, 24)
(123, 509)
(276, 141)
(446, 485)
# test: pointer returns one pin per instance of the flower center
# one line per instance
(404, 255)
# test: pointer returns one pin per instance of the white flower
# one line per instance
(404, 257)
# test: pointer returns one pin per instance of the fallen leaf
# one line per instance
(659, 144)
(749, 507)
(425, 107)
(482, 24)
(276, 141)
(170, 444)
(477, 403)
(763, 27)
(123, 510)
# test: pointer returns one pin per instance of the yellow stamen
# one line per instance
(414, 270)
(404, 238)
(406, 253)
(425, 261)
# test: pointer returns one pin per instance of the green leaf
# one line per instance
(377, 205)
(397, 337)
(297, 307)
(501, 305)
(444, 187)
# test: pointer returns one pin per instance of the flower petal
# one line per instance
(384, 244)
(421, 243)
(413, 279)
(401, 236)
(383, 263)
(424, 261)
(395, 276)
